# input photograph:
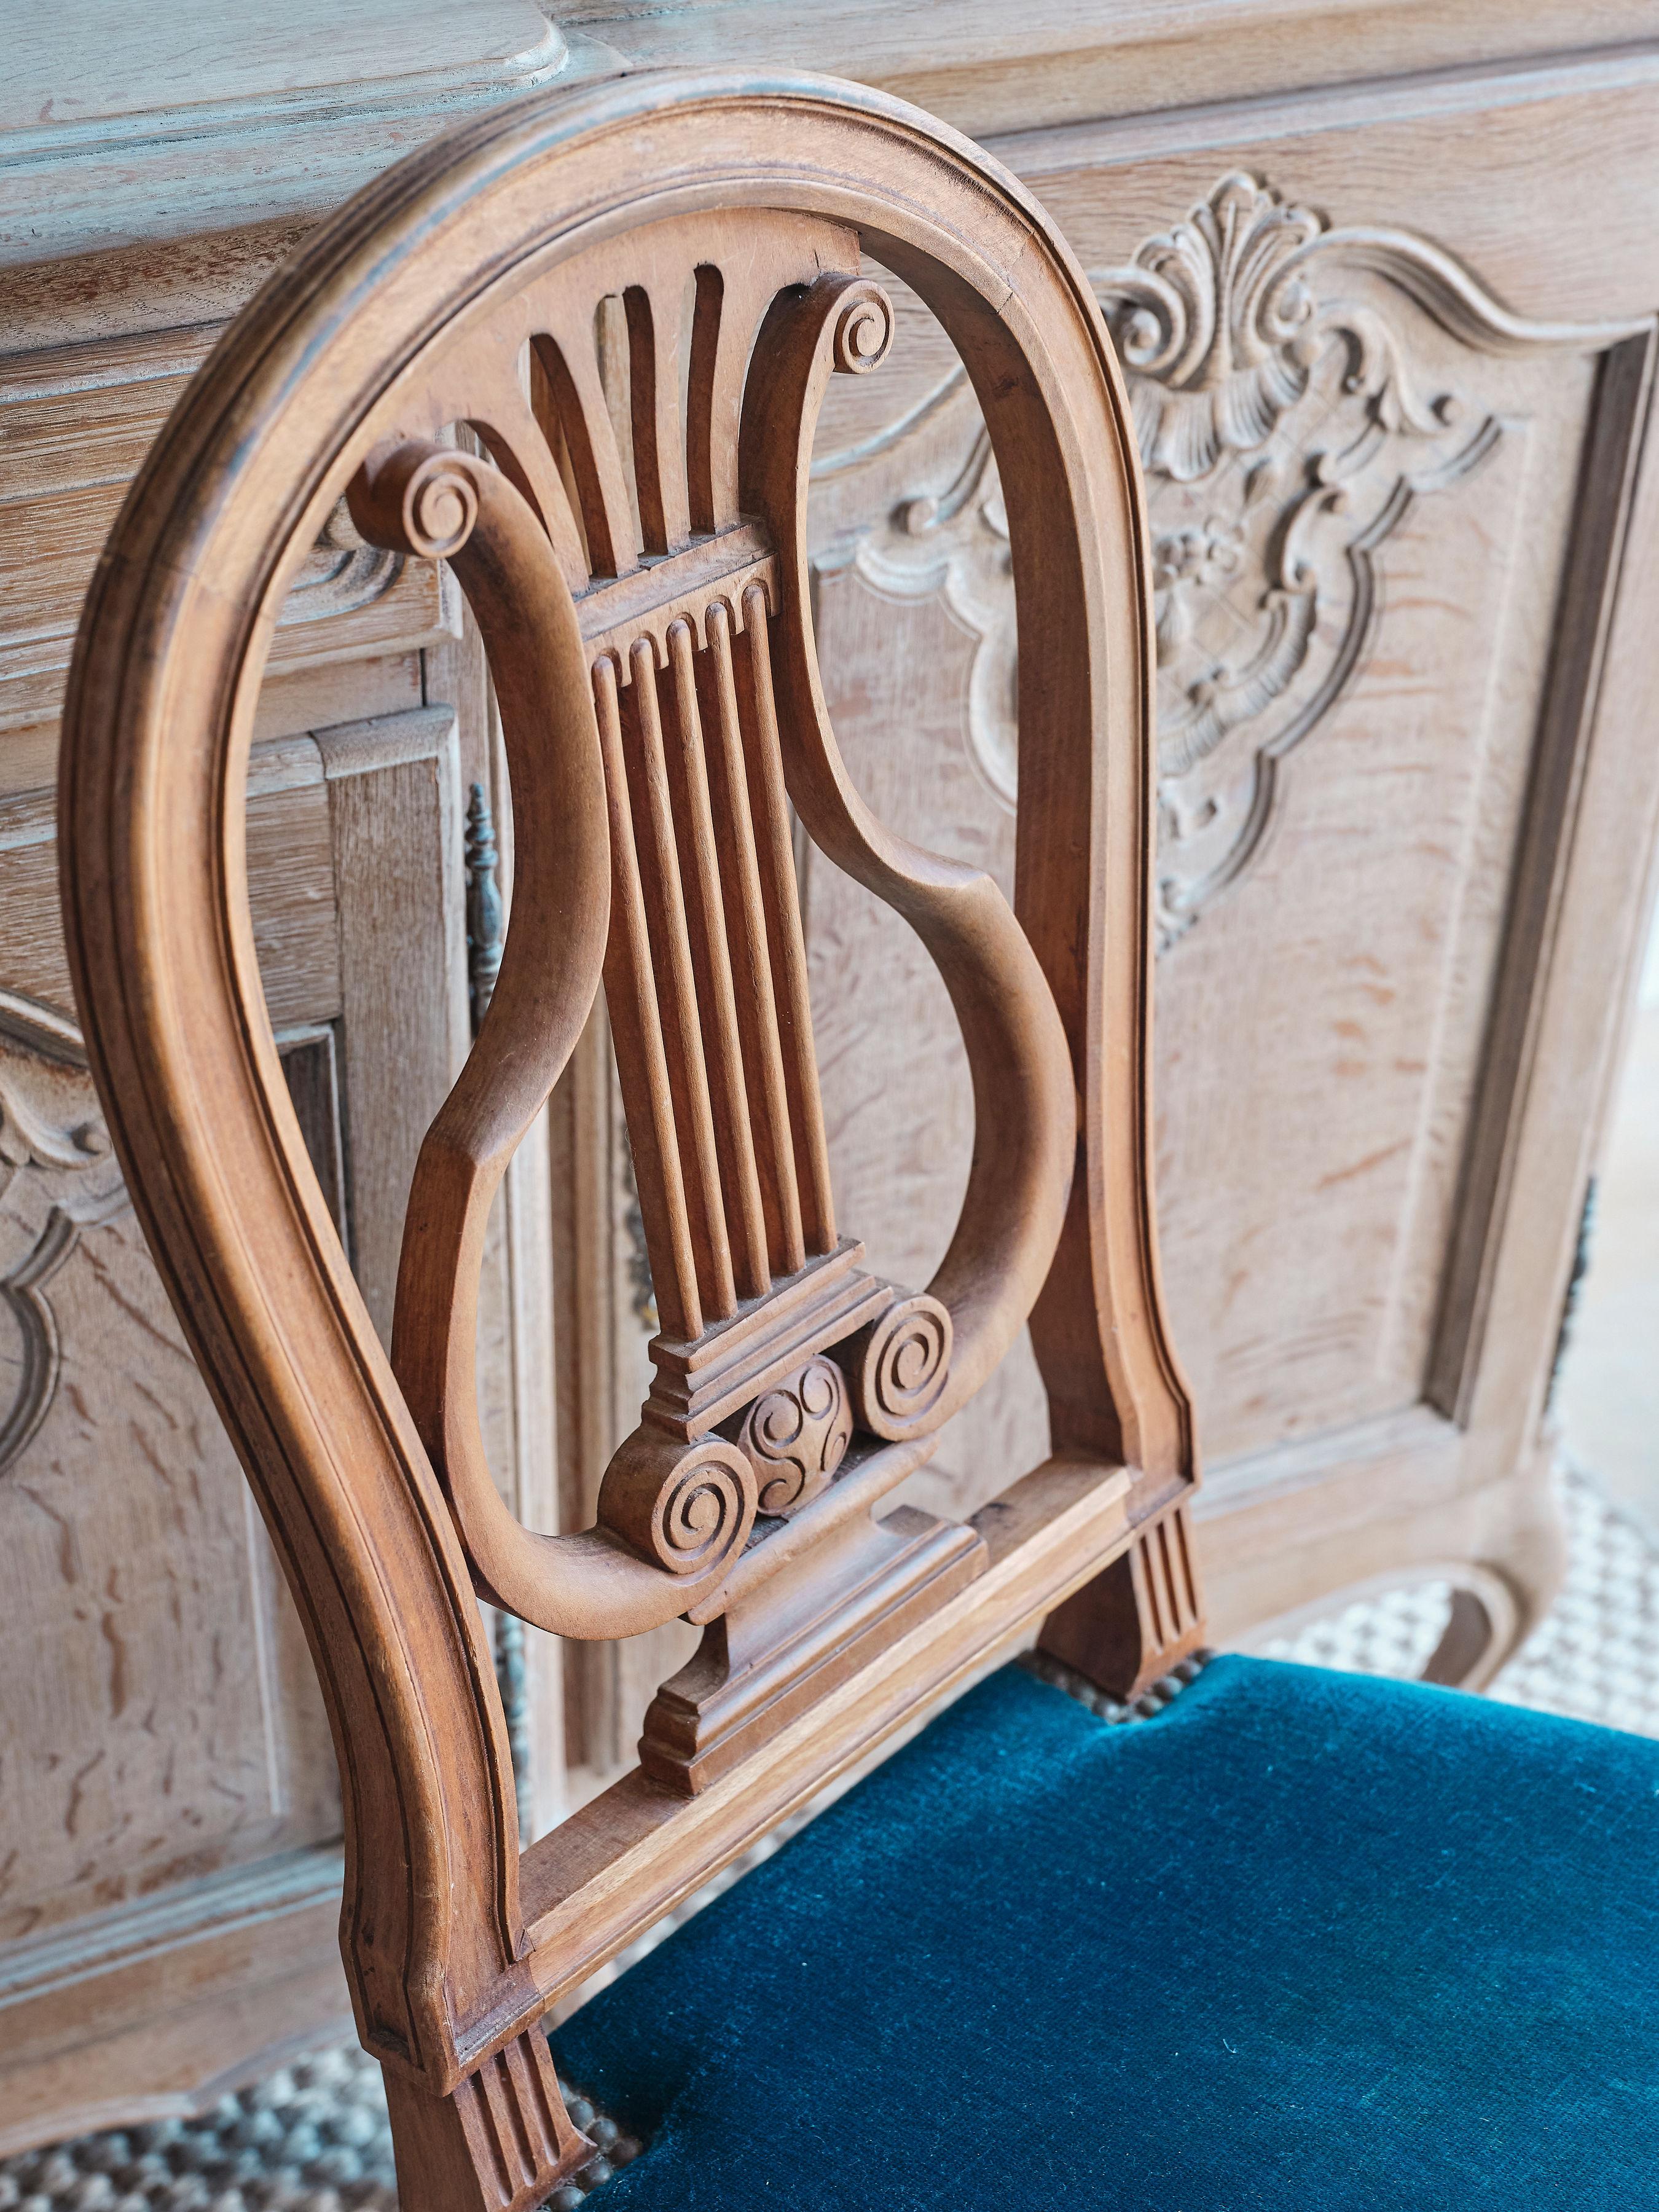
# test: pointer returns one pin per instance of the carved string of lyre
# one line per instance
(705, 976)
(650, 641)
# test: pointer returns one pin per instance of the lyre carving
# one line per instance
(648, 627)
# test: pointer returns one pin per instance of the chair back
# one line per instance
(640, 577)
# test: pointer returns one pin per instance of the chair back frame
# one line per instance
(648, 622)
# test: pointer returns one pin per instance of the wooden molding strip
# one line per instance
(100, 1941)
(167, 130)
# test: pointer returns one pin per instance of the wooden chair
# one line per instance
(1022, 1879)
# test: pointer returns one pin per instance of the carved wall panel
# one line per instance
(1285, 435)
(162, 1725)
(153, 1665)
(1362, 473)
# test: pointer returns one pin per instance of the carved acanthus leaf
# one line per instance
(1220, 325)
(28, 1138)
(50, 1119)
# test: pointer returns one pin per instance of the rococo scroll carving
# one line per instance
(1286, 434)
(58, 1178)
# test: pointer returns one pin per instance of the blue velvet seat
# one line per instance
(1305, 1941)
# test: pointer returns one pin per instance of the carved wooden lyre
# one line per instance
(641, 584)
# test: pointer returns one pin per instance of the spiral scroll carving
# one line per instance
(686, 1507)
(796, 1435)
(900, 1366)
(864, 330)
(697, 1514)
(424, 500)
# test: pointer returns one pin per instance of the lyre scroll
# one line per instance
(661, 709)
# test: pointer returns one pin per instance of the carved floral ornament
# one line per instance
(1284, 437)
(58, 1177)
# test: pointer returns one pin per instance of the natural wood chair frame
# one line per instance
(459, 290)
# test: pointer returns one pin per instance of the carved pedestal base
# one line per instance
(1127, 1628)
(771, 1656)
(502, 2142)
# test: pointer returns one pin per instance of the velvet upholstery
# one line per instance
(1303, 1940)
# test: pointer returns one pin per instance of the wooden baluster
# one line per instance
(752, 957)
(700, 873)
(636, 1031)
(676, 990)
(781, 897)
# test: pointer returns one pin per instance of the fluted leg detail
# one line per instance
(502, 2141)
(1130, 1627)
